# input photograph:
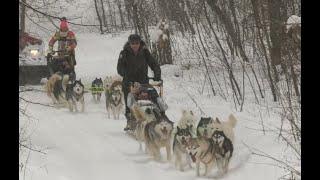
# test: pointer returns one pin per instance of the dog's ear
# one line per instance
(191, 112)
(218, 121)
(178, 128)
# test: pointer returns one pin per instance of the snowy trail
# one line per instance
(89, 146)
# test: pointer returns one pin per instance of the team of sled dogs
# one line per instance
(208, 142)
(64, 92)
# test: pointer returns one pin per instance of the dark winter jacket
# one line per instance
(134, 68)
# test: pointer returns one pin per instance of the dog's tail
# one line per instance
(232, 120)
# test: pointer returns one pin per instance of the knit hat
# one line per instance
(64, 25)
(134, 37)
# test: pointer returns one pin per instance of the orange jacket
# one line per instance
(64, 42)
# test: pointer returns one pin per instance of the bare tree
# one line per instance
(99, 16)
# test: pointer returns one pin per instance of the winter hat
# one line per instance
(134, 37)
(64, 25)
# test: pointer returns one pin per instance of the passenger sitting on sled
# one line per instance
(145, 92)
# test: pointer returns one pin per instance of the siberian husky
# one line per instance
(74, 95)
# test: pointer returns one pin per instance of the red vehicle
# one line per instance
(32, 62)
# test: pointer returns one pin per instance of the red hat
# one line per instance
(64, 25)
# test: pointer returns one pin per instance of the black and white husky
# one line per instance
(204, 128)
(180, 143)
(223, 149)
(97, 89)
(74, 95)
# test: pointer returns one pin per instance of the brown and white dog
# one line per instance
(56, 88)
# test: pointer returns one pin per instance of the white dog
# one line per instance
(188, 120)
(225, 126)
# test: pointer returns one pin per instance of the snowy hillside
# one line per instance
(89, 146)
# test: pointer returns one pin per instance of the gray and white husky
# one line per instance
(223, 149)
(158, 135)
(74, 95)
(204, 128)
(180, 143)
(143, 113)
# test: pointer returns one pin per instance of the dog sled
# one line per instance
(61, 61)
(143, 100)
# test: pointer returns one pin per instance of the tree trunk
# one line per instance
(103, 15)
(99, 17)
(23, 17)
(123, 23)
(258, 22)
(275, 31)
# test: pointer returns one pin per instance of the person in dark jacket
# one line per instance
(133, 64)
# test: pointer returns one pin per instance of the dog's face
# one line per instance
(204, 127)
(194, 150)
(78, 87)
(218, 137)
(164, 129)
(107, 82)
(116, 96)
(183, 135)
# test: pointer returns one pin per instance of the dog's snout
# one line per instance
(183, 138)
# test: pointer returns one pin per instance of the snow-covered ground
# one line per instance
(89, 146)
